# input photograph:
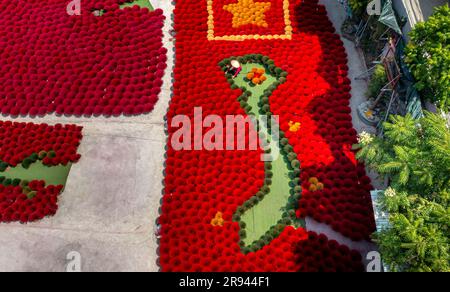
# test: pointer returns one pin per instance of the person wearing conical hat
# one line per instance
(234, 68)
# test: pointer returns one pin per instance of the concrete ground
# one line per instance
(110, 204)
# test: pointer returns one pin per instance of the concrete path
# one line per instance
(111, 201)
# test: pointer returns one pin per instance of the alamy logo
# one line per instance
(374, 7)
(74, 7)
(73, 262)
(213, 133)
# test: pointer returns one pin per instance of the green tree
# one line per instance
(428, 57)
(378, 81)
(358, 6)
(417, 239)
(415, 157)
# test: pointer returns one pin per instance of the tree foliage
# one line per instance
(418, 236)
(415, 157)
(358, 6)
(428, 56)
(378, 81)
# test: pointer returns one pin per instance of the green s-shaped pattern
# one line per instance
(265, 215)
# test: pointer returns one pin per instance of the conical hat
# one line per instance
(235, 64)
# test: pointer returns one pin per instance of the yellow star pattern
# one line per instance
(248, 12)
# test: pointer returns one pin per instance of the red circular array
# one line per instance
(201, 183)
(20, 140)
(15, 206)
(79, 65)
(293, 250)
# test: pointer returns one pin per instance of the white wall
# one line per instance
(416, 11)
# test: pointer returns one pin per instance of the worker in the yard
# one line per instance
(234, 68)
